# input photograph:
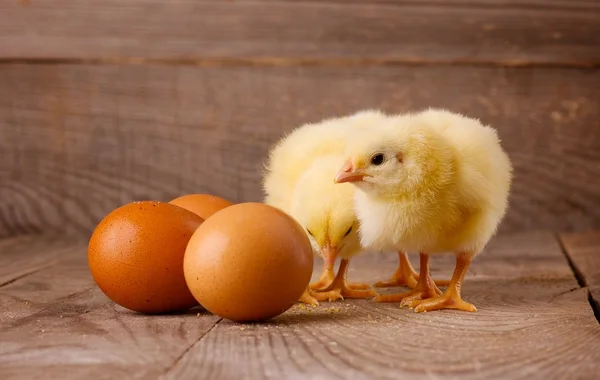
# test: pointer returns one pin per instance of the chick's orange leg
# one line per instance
(451, 299)
(425, 287)
(405, 275)
(327, 277)
(340, 289)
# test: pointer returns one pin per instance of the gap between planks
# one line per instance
(582, 251)
(300, 62)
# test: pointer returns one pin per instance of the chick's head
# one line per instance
(397, 158)
(326, 210)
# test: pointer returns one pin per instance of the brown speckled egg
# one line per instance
(136, 253)
(248, 262)
(204, 205)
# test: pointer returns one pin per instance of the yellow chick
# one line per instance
(298, 180)
(432, 182)
(326, 210)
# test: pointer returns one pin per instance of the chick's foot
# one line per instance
(451, 299)
(308, 298)
(341, 292)
(325, 280)
(448, 300)
(425, 287)
(340, 288)
(405, 298)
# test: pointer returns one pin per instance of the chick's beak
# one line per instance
(348, 173)
(330, 253)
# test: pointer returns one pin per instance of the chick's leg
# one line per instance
(404, 275)
(340, 289)
(326, 278)
(425, 287)
(451, 299)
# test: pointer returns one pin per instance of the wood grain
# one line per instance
(534, 322)
(55, 323)
(14, 264)
(78, 141)
(483, 31)
(583, 249)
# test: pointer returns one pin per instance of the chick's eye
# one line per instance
(348, 232)
(377, 159)
(310, 233)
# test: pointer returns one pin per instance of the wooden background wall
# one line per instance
(103, 101)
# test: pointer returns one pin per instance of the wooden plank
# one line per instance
(56, 323)
(32, 266)
(79, 141)
(484, 31)
(23, 255)
(533, 322)
(583, 249)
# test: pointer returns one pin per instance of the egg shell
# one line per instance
(136, 254)
(204, 205)
(248, 262)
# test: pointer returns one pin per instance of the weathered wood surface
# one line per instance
(79, 140)
(511, 32)
(56, 324)
(583, 249)
(14, 264)
(534, 322)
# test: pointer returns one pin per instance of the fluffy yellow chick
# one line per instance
(432, 182)
(298, 181)
(326, 210)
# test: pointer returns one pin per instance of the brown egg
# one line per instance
(248, 262)
(136, 253)
(204, 205)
